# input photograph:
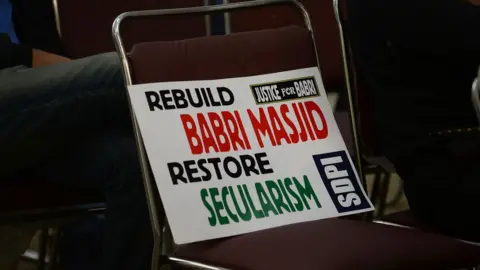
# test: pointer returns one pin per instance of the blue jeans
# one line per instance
(69, 123)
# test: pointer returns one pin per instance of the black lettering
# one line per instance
(262, 164)
(233, 174)
(176, 173)
(191, 171)
(212, 99)
(205, 97)
(179, 99)
(153, 100)
(195, 104)
(215, 162)
(248, 164)
(226, 96)
(208, 174)
(167, 99)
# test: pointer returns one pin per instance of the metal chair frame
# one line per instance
(363, 160)
(476, 95)
(162, 236)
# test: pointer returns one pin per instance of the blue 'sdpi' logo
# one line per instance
(339, 178)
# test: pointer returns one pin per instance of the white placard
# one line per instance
(238, 155)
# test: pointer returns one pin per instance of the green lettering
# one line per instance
(218, 206)
(265, 200)
(285, 195)
(257, 213)
(212, 220)
(247, 215)
(224, 199)
(276, 196)
(306, 191)
(298, 204)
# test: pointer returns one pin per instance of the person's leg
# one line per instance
(110, 161)
(442, 184)
(44, 110)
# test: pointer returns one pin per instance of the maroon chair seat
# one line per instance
(335, 244)
(32, 200)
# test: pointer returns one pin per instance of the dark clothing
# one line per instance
(416, 61)
(70, 123)
(421, 54)
(35, 27)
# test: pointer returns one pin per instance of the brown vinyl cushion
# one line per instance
(218, 57)
(32, 198)
(326, 31)
(86, 25)
(335, 244)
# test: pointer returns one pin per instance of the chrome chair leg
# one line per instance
(42, 248)
(167, 260)
(54, 247)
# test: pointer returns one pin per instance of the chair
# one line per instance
(363, 140)
(85, 25)
(328, 244)
(31, 201)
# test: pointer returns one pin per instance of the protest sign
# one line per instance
(239, 155)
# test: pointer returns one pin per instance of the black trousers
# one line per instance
(442, 183)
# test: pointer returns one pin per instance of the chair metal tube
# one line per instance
(351, 99)
(191, 264)
(476, 95)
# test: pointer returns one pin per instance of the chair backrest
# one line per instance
(217, 57)
(85, 25)
(323, 21)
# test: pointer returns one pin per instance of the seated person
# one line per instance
(68, 122)
(417, 61)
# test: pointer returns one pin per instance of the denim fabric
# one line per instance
(69, 123)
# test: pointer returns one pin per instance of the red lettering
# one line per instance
(303, 132)
(261, 127)
(219, 132)
(207, 137)
(242, 129)
(278, 129)
(294, 134)
(313, 107)
(191, 132)
(307, 124)
(233, 129)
